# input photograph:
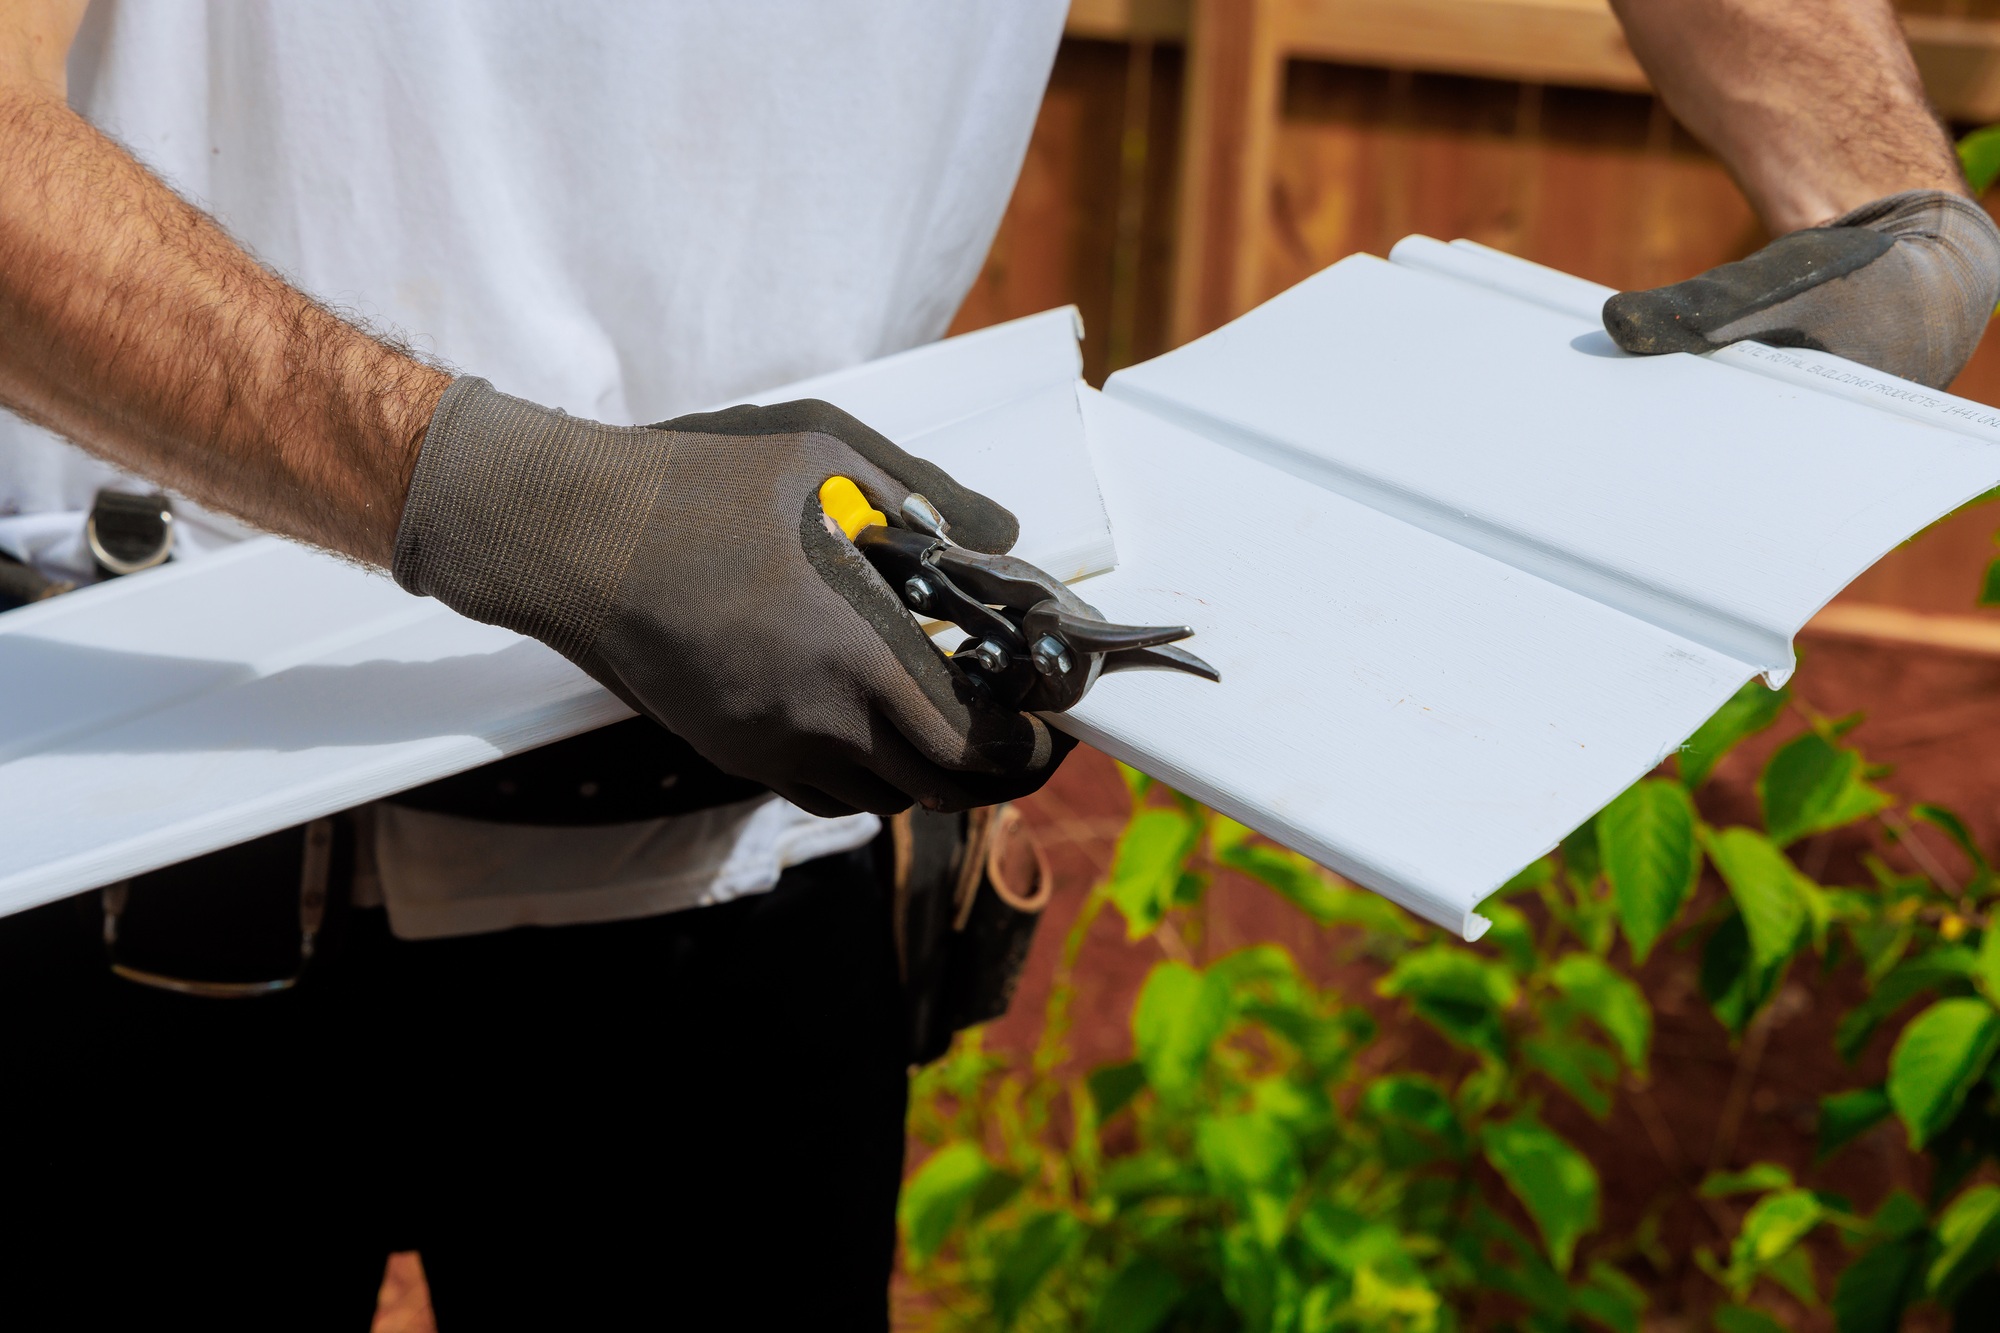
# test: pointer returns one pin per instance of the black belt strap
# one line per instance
(620, 774)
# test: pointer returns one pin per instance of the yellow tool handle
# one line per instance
(846, 505)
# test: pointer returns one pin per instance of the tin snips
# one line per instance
(1030, 642)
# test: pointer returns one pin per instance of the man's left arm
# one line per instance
(1816, 108)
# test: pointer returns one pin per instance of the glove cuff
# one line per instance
(526, 517)
(1938, 213)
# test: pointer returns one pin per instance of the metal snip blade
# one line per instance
(1085, 634)
(1159, 659)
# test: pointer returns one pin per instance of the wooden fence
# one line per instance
(1194, 157)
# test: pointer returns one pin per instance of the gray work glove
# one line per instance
(1905, 284)
(687, 566)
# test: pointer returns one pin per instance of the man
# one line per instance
(683, 1088)
(587, 1089)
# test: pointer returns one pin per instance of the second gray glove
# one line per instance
(1904, 284)
(688, 567)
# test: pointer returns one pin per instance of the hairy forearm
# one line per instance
(132, 324)
(1814, 105)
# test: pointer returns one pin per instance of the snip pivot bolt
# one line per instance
(1049, 656)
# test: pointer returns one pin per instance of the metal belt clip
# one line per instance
(128, 533)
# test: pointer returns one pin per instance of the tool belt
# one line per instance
(250, 920)
(243, 922)
(969, 891)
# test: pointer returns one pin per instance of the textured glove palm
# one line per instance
(1904, 284)
(688, 567)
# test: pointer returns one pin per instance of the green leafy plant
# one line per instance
(1247, 1168)
(1255, 1165)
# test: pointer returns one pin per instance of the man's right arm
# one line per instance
(686, 567)
(133, 325)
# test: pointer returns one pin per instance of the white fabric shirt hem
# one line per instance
(443, 875)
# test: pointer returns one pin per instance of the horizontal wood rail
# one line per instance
(1894, 624)
(1569, 42)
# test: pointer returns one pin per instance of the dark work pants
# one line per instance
(688, 1122)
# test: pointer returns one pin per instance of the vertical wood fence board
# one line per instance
(1234, 80)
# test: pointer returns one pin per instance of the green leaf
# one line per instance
(1879, 944)
(1251, 1158)
(1146, 869)
(1581, 862)
(1530, 877)
(1937, 1059)
(1180, 1015)
(1979, 155)
(1811, 785)
(1553, 1181)
(1583, 1070)
(1733, 987)
(1846, 1116)
(1303, 1108)
(1610, 1298)
(1112, 1086)
(1989, 586)
(1774, 1224)
(1646, 838)
(1315, 891)
(1765, 885)
(1968, 1236)
(1609, 999)
(1386, 1288)
(1146, 1175)
(1954, 828)
(1138, 1298)
(1947, 967)
(1327, 1042)
(1755, 1179)
(1986, 971)
(1135, 782)
(1527, 1277)
(1258, 967)
(1418, 1122)
(1874, 1289)
(1042, 1244)
(1900, 1215)
(1333, 1234)
(1749, 711)
(1744, 1319)
(1457, 992)
(935, 1198)
(1512, 934)
(1793, 1270)
(1250, 1278)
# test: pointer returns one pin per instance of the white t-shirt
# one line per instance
(622, 208)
